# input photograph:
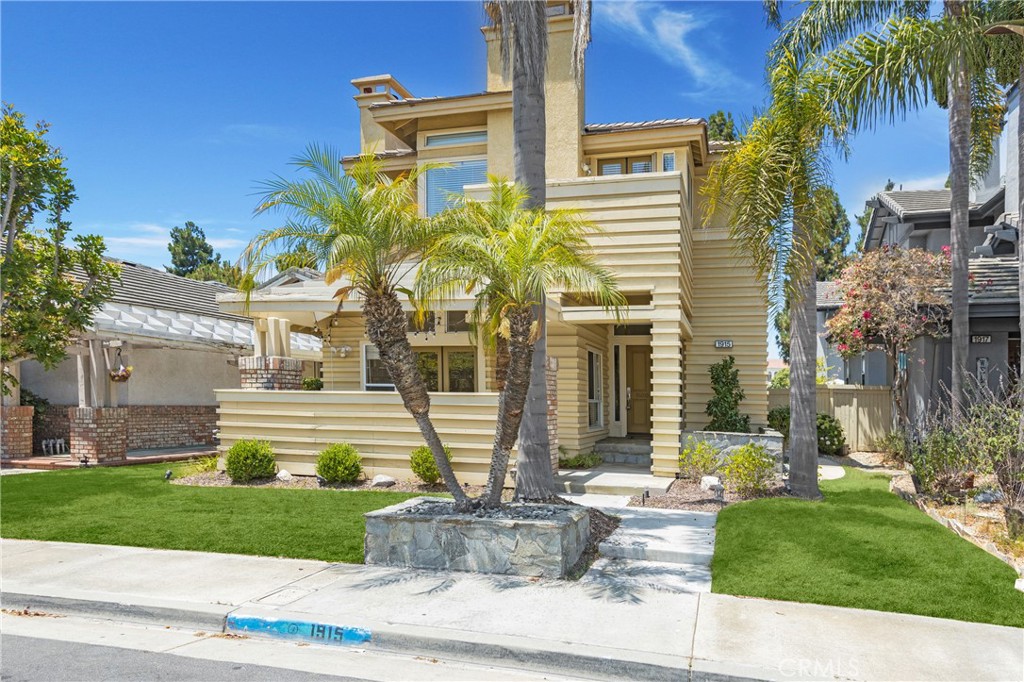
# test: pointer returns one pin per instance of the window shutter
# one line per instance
(443, 183)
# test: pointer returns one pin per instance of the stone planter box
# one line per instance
(548, 546)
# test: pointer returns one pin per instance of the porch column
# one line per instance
(271, 368)
(98, 428)
(666, 396)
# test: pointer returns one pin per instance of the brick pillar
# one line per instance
(16, 431)
(552, 383)
(99, 433)
(270, 373)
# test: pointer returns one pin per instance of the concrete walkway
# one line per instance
(612, 479)
(593, 629)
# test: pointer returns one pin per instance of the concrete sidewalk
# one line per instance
(601, 630)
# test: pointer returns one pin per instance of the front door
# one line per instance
(638, 389)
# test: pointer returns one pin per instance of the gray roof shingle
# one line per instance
(911, 202)
(594, 128)
(828, 295)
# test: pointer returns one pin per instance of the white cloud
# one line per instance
(671, 35)
(226, 243)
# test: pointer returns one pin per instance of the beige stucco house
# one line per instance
(693, 299)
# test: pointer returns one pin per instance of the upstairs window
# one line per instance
(452, 139)
(625, 166)
(668, 161)
(445, 184)
(456, 321)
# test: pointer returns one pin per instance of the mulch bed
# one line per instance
(686, 494)
(220, 479)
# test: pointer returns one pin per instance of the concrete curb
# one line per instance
(212, 619)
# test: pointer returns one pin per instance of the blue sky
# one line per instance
(170, 112)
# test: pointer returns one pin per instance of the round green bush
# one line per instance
(339, 463)
(312, 384)
(250, 460)
(831, 438)
(749, 470)
(422, 463)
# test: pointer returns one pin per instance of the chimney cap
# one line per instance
(384, 82)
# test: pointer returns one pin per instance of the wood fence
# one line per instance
(864, 411)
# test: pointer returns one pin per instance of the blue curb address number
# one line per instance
(321, 633)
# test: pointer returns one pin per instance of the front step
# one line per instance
(612, 480)
(625, 451)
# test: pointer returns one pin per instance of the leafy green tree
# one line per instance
(509, 256)
(49, 290)
(222, 271)
(723, 407)
(300, 258)
(189, 250)
(523, 31)
(366, 234)
(721, 127)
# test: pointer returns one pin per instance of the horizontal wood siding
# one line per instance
(342, 373)
(570, 345)
(729, 303)
(864, 411)
(300, 424)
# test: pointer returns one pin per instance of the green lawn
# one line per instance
(134, 506)
(862, 547)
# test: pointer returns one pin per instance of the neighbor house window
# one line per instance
(631, 164)
(668, 161)
(456, 321)
(452, 139)
(595, 405)
(443, 185)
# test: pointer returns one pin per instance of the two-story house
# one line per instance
(693, 299)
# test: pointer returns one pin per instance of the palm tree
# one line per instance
(775, 185)
(888, 71)
(364, 232)
(522, 25)
(509, 256)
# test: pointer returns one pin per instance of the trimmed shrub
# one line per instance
(422, 463)
(698, 458)
(894, 446)
(723, 408)
(312, 384)
(749, 469)
(831, 438)
(339, 463)
(584, 460)
(942, 464)
(250, 460)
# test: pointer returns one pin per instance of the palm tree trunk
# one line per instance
(386, 327)
(959, 185)
(510, 402)
(534, 477)
(803, 425)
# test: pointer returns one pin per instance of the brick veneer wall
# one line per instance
(99, 433)
(169, 426)
(16, 431)
(52, 424)
(266, 373)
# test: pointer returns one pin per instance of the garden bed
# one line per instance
(540, 540)
(687, 494)
(218, 479)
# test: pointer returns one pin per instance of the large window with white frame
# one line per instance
(455, 139)
(444, 185)
(451, 369)
(595, 390)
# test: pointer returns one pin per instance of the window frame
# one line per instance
(598, 385)
(421, 187)
(452, 132)
(626, 163)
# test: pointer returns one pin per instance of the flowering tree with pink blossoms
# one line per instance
(892, 296)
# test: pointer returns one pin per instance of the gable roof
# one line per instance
(146, 286)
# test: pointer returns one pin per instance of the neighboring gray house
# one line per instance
(920, 219)
(181, 347)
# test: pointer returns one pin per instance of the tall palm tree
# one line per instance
(509, 256)
(775, 185)
(364, 231)
(897, 67)
(522, 26)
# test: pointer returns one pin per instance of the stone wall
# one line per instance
(722, 440)
(99, 433)
(16, 431)
(548, 546)
(266, 373)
